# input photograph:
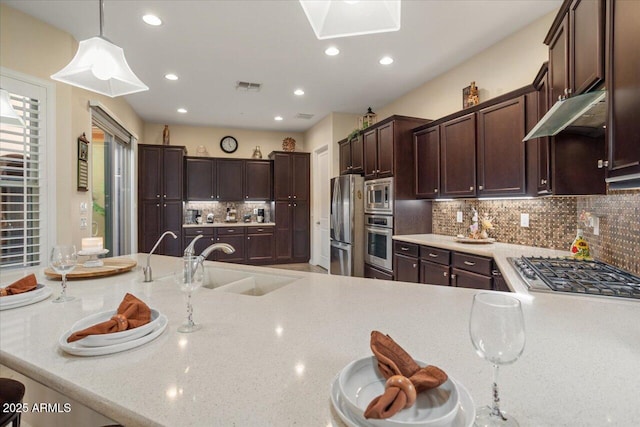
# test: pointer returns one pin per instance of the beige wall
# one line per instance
(208, 136)
(508, 65)
(40, 52)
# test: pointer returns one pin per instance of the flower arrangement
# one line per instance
(479, 227)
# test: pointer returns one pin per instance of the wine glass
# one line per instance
(497, 333)
(63, 260)
(189, 278)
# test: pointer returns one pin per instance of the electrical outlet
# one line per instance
(595, 223)
(83, 223)
(459, 216)
(255, 211)
(524, 220)
(83, 207)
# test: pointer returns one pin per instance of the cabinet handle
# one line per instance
(289, 196)
(157, 205)
(496, 273)
(246, 197)
(480, 187)
(212, 196)
(444, 273)
(260, 229)
(469, 263)
(230, 230)
(289, 204)
(295, 204)
(414, 265)
(404, 248)
(157, 195)
(294, 196)
(543, 181)
(165, 196)
(432, 255)
(435, 190)
(248, 238)
(470, 188)
(603, 163)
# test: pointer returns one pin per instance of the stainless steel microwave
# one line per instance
(378, 196)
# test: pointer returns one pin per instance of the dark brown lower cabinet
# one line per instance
(260, 245)
(235, 237)
(406, 268)
(467, 279)
(434, 274)
(292, 238)
(208, 238)
(370, 272)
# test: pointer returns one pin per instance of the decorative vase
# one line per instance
(289, 144)
(580, 247)
(257, 154)
(165, 135)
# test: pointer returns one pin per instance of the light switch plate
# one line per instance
(524, 220)
(459, 216)
(83, 207)
(83, 223)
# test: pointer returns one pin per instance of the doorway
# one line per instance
(321, 198)
(111, 189)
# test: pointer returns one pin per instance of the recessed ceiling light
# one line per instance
(386, 60)
(171, 76)
(152, 20)
(182, 110)
(298, 92)
(332, 51)
(278, 118)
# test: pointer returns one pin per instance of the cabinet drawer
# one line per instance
(260, 230)
(230, 230)
(408, 249)
(437, 255)
(373, 273)
(193, 232)
(474, 263)
(466, 279)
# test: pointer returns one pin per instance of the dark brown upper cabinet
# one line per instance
(290, 175)
(378, 152)
(258, 180)
(427, 163)
(201, 179)
(623, 85)
(542, 152)
(230, 180)
(458, 157)
(351, 155)
(576, 48)
(501, 152)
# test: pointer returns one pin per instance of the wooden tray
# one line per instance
(111, 266)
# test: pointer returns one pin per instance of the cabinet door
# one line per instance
(586, 44)
(237, 242)
(356, 155)
(230, 180)
(301, 233)
(257, 180)
(205, 241)
(544, 143)
(434, 274)
(406, 268)
(501, 160)
(260, 248)
(458, 157)
(385, 150)
(283, 230)
(300, 176)
(427, 162)
(623, 87)
(345, 157)
(150, 172)
(466, 279)
(150, 222)
(370, 148)
(201, 179)
(172, 173)
(172, 219)
(558, 62)
(282, 176)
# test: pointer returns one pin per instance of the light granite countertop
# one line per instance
(269, 360)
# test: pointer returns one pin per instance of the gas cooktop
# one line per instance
(576, 276)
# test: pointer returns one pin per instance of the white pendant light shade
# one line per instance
(342, 18)
(100, 66)
(7, 114)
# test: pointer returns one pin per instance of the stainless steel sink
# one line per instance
(244, 282)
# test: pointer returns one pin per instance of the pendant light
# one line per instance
(342, 18)
(7, 114)
(100, 66)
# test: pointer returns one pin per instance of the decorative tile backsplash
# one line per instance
(219, 210)
(553, 222)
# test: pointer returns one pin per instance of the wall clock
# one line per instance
(229, 144)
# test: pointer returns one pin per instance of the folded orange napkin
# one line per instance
(404, 376)
(25, 284)
(131, 313)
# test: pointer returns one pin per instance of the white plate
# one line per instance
(100, 340)
(360, 382)
(80, 350)
(42, 292)
(464, 418)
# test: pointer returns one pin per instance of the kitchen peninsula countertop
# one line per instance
(270, 360)
(230, 224)
(498, 251)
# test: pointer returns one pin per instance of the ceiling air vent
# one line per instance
(304, 116)
(248, 86)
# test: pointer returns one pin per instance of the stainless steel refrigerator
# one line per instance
(347, 226)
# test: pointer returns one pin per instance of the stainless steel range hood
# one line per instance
(585, 114)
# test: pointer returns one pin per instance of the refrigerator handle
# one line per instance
(333, 207)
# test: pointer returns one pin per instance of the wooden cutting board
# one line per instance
(111, 266)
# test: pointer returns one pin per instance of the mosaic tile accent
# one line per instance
(219, 209)
(553, 222)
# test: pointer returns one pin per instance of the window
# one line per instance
(23, 178)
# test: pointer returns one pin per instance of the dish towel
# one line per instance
(25, 284)
(131, 313)
(397, 366)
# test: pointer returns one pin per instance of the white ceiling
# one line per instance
(212, 44)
